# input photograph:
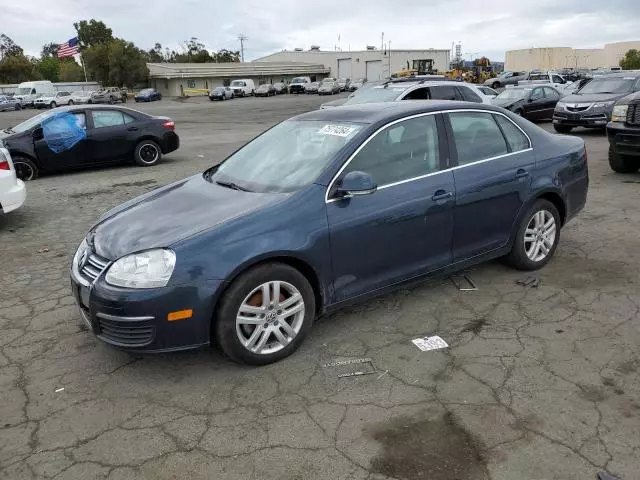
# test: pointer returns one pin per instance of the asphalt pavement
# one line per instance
(540, 381)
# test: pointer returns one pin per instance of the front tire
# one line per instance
(147, 153)
(71, 102)
(18, 106)
(562, 128)
(26, 169)
(537, 237)
(622, 163)
(495, 85)
(53, 105)
(265, 314)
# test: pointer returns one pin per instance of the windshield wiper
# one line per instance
(232, 185)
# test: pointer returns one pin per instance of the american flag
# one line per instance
(68, 49)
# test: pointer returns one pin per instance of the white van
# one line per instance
(27, 92)
(243, 87)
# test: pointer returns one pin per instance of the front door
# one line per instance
(109, 135)
(404, 229)
(492, 180)
(47, 147)
(535, 108)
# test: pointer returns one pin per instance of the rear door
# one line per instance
(551, 99)
(535, 107)
(493, 160)
(112, 135)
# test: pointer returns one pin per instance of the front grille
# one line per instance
(576, 109)
(93, 267)
(131, 331)
(633, 114)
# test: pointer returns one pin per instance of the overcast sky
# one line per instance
(484, 28)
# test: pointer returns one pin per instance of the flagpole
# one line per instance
(83, 68)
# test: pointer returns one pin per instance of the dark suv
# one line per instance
(592, 105)
(623, 132)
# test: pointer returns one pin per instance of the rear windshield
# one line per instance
(608, 85)
(376, 94)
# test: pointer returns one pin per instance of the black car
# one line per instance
(101, 135)
(623, 132)
(532, 103)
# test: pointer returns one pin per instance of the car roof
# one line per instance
(387, 111)
(73, 108)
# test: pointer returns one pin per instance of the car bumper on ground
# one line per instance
(580, 120)
(625, 139)
(14, 198)
(138, 320)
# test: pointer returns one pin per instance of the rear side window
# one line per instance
(551, 93)
(445, 92)
(477, 136)
(557, 79)
(469, 95)
(517, 140)
(128, 118)
(107, 118)
(418, 94)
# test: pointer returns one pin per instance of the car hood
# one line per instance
(165, 216)
(505, 102)
(592, 97)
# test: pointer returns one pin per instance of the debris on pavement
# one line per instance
(366, 362)
(532, 282)
(463, 283)
(58, 390)
(429, 343)
(43, 250)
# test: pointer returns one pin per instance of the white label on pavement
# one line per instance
(429, 343)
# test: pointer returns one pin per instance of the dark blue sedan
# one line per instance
(148, 95)
(324, 209)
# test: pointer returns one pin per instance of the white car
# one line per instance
(80, 97)
(52, 101)
(12, 191)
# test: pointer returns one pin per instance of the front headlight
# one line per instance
(560, 105)
(619, 113)
(603, 104)
(149, 269)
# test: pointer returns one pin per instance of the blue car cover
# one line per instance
(62, 131)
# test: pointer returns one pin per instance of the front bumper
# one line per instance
(14, 197)
(625, 139)
(580, 119)
(137, 320)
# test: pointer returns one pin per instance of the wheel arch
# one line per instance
(293, 261)
(556, 199)
(22, 153)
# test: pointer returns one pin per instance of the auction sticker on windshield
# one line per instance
(338, 130)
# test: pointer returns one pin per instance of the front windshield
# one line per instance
(608, 85)
(146, 90)
(298, 80)
(32, 122)
(237, 83)
(513, 93)
(376, 94)
(23, 91)
(287, 157)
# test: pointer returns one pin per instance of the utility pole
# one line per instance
(242, 39)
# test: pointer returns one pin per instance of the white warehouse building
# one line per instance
(371, 64)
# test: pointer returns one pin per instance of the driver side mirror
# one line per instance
(38, 134)
(356, 183)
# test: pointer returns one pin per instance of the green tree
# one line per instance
(49, 68)
(194, 52)
(92, 33)
(49, 50)
(70, 71)
(631, 60)
(17, 69)
(127, 63)
(8, 47)
(96, 61)
(224, 55)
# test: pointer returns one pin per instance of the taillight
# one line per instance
(4, 165)
(170, 124)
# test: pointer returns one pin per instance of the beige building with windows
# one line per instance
(555, 58)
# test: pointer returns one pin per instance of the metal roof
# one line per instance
(233, 69)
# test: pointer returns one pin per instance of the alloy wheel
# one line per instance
(540, 235)
(270, 317)
(24, 171)
(148, 153)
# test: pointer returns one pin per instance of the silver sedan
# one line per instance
(9, 103)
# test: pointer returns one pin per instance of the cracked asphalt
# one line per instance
(538, 383)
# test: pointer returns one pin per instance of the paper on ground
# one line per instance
(429, 343)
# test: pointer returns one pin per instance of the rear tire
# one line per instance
(232, 335)
(495, 85)
(53, 105)
(18, 106)
(26, 169)
(147, 153)
(71, 102)
(562, 128)
(622, 163)
(525, 254)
